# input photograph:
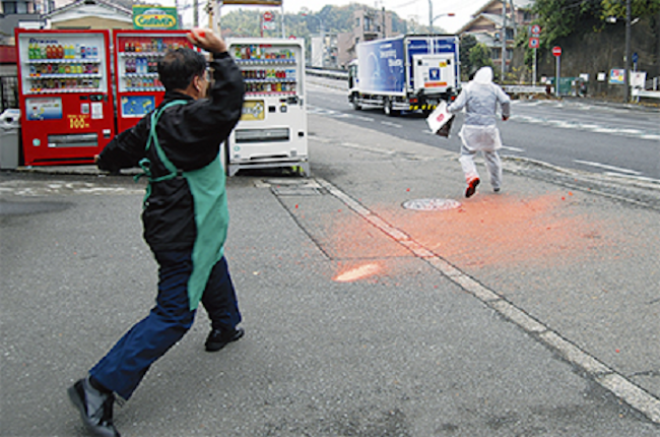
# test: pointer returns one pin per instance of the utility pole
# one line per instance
(503, 38)
(627, 54)
(195, 13)
(430, 17)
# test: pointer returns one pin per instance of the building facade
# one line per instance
(368, 24)
(493, 22)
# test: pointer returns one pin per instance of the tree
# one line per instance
(561, 18)
(479, 57)
(639, 8)
(467, 43)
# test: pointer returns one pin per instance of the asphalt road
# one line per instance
(572, 133)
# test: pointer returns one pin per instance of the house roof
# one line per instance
(493, 18)
(485, 38)
(85, 8)
(518, 4)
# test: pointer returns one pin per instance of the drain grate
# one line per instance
(293, 187)
(431, 204)
(295, 191)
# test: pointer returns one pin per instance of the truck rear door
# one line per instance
(434, 73)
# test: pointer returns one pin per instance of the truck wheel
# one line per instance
(387, 108)
(356, 103)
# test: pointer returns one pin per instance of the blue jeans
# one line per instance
(122, 369)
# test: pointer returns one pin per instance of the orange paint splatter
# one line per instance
(500, 230)
(357, 273)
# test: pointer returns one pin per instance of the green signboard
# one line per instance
(155, 17)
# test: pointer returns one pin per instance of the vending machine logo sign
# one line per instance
(155, 18)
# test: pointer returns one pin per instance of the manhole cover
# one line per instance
(431, 204)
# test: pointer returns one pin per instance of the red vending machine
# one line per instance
(65, 95)
(137, 53)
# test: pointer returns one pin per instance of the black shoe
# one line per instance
(218, 338)
(95, 408)
(472, 187)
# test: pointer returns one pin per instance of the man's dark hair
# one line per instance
(178, 67)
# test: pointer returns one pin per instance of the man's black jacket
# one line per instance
(190, 135)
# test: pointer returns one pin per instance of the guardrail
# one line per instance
(646, 94)
(333, 74)
(524, 89)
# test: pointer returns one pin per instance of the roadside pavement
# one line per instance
(530, 312)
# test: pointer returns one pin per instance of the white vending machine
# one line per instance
(273, 129)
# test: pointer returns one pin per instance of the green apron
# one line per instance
(207, 186)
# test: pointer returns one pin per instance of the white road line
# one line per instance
(513, 149)
(607, 167)
(389, 123)
(607, 377)
(637, 178)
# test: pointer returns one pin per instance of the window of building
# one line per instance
(357, 22)
(9, 7)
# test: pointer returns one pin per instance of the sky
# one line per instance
(406, 9)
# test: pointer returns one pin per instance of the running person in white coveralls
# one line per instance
(479, 132)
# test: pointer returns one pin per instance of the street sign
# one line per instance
(635, 57)
(556, 50)
(534, 43)
(268, 16)
(536, 30)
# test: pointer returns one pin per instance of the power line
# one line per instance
(404, 4)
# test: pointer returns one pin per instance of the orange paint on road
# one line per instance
(504, 229)
(357, 273)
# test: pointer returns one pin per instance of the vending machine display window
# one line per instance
(62, 63)
(139, 91)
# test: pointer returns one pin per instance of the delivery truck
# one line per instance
(405, 73)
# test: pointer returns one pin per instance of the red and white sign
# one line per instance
(268, 17)
(534, 43)
(556, 50)
(536, 30)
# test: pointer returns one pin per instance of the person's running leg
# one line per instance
(469, 170)
(122, 369)
(219, 300)
(494, 165)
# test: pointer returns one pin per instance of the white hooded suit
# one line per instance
(479, 132)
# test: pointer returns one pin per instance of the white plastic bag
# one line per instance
(440, 120)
